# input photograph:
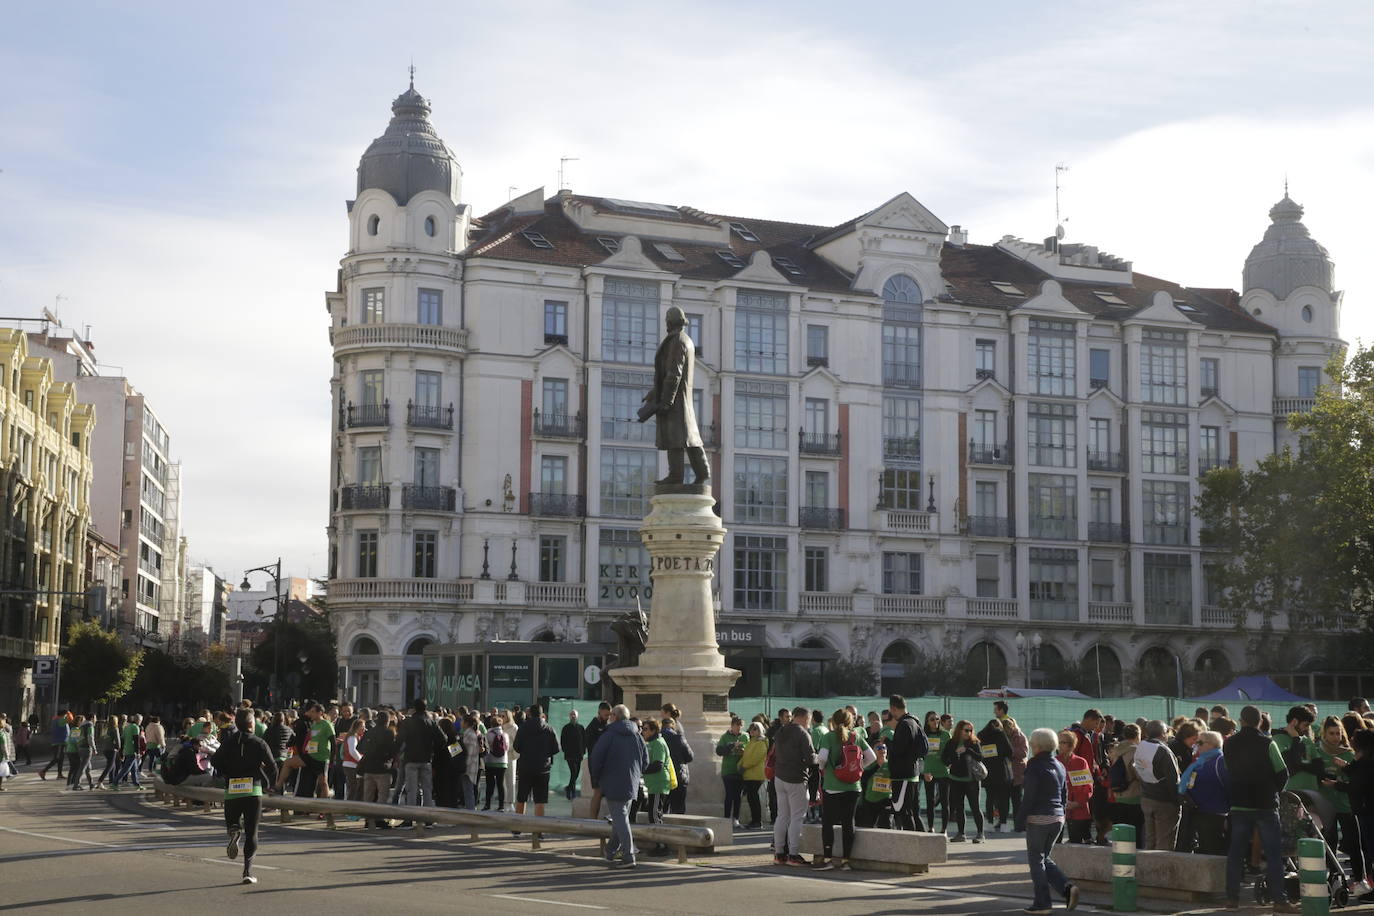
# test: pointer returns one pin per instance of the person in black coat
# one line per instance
(906, 752)
(997, 758)
(572, 740)
(537, 745)
(247, 766)
(680, 752)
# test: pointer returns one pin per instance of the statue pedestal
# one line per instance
(682, 663)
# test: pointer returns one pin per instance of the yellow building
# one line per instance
(45, 472)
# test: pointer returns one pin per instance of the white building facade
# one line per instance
(923, 448)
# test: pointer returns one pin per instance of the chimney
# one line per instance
(958, 235)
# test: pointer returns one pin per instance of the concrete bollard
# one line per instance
(1123, 869)
(1316, 901)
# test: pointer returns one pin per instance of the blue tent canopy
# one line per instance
(1256, 688)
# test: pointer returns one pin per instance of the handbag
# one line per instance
(977, 770)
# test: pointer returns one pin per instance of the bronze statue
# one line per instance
(671, 402)
(632, 630)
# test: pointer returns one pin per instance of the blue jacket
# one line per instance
(1044, 789)
(618, 760)
(60, 731)
(1206, 784)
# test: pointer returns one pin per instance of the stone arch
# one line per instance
(365, 645)
(902, 288)
(1211, 671)
(1157, 673)
(1101, 673)
(544, 634)
(895, 666)
(985, 663)
(1049, 667)
(808, 677)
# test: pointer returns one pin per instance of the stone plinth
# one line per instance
(681, 663)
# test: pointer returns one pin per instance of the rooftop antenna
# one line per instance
(412, 73)
(1059, 168)
(562, 162)
(1285, 184)
(510, 192)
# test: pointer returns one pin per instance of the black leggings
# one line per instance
(751, 796)
(959, 793)
(496, 780)
(937, 789)
(838, 808)
(1346, 838)
(998, 801)
(249, 811)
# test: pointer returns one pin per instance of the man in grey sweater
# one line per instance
(793, 754)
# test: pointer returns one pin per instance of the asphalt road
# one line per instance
(114, 853)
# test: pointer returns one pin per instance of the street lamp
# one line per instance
(1028, 651)
(275, 570)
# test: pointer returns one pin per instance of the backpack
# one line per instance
(770, 763)
(497, 744)
(1118, 777)
(850, 767)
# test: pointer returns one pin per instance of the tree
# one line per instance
(1297, 533)
(316, 676)
(96, 666)
(165, 681)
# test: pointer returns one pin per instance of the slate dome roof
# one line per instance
(1288, 257)
(409, 157)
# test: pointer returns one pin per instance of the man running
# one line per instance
(246, 764)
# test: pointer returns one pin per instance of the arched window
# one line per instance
(1158, 673)
(903, 289)
(808, 675)
(1048, 668)
(417, 645)
(429, 226)
(545, 636)
(374, 223)
(1101, 673)
(897, 661)
(365, 645)
(1307, 313)
(1211, 671)
(987, 665)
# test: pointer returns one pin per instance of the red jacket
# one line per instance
(1087, 748)
(1080, 793)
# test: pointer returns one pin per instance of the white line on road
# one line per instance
(584, 906)
(145, 825)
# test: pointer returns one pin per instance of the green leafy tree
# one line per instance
(164, 680)
(314, 677)
(96, 665)
(1296, 533)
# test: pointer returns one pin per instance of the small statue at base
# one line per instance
(670, 401)
(632, 628)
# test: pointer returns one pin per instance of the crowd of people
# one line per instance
(1207, 783)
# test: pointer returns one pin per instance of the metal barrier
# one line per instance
(680, 838)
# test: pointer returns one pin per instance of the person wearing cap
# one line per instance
(246, 764)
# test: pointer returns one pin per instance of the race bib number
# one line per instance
(989, 750)
(882, 785)
(455, 749)
(312, 746)
(242, 786)
(934, 744)
(1080, 778)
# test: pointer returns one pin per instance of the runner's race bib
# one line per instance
(934, 744)
(455, 749)
(312, 746)
(242, 786)
(882, 785)
(989, 750)
(1080, 778)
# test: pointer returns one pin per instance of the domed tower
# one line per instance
(399, 351)
(1289, 282)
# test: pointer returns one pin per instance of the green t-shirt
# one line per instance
(831, 743)
(885, 734)
(1276, 761)
(73, 739)
(732, 747)
(1339, 800)
(320, 743)
(130, 739)
(818, 733)
(1297, 781)
(879, 786)
(259, 727)
(935, 764)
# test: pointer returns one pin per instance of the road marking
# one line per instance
(583, 906)
(146, 825)
(60, 839)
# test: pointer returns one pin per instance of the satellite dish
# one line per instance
(1059, 231)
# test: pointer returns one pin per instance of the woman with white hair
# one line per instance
(1044, 793)
(1204, 786)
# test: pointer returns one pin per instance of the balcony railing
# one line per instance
(1212, 462)
(1054, 610)
(556, 594)
(981, 374)
(907, 520)
(559, 339)
(365, 497)
(1175, 535)
(404, 336)
(557, 505)
(1168, 613)
(827, 603)
(710, 436)
(820, 518)
(1054, 529)
(1114, 462)
(818, 443)
(813, 361)
(1284, 406)
(1207, 391)
(559, 425)
(421, 591)
(1215, 616)
(356, 416)
(433, 499)
(909, 605)
(988, 453)
(988, 526)
(993, 608)
(425, 416)
(1110, 612)
(902, 448)
(1108, 533)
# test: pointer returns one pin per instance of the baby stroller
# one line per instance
(1304, 814)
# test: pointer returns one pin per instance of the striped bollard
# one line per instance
(1123, 868)
(1312, 875)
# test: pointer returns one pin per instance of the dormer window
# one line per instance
(429, 226)
(1109, 297)
(537, 240)
(374, 222)
(744, 232)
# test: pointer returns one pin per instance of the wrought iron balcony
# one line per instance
(1114, 462)
(818, 443)
(1054, 529)
(433, 499)
(1108, 533)
(557, 505)
(710, 436)
(821, 518)
(559, 425)
(424, 416)
(981, 374)
(1207, 392)
(988, 453)
(365, 496)
(1172, 535)
(356, 416)
(988, 526)
(1212, 462)
(902, 448)
(556, 339)
(812, 361)
(1095, 383)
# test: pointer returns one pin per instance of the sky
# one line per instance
(175, 175)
